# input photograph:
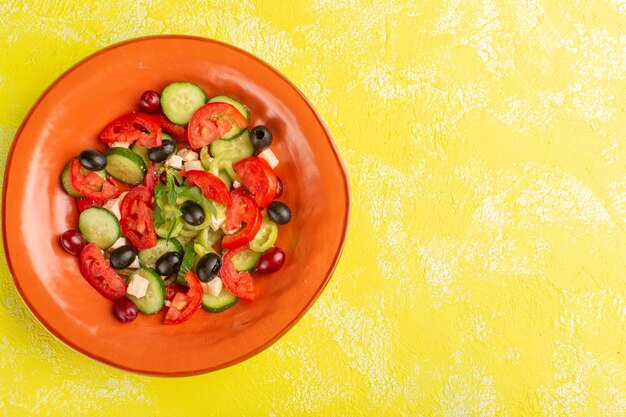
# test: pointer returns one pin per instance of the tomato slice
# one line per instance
(184, 305)
(84, 203)
(258, 177)
(133, 127)
(178, 131)
(137, 220)
(90, 184)
(99, 273)
(212, 121)
(238, 283)
(152, 177)
(212, 187)
(243, 214)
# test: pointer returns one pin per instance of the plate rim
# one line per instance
(202, 370)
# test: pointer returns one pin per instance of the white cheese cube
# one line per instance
(269, 156)
(217, 222)
(138, 286)
(118, 243)
(135, 264)
(236, 184)
(174, 161)
(213, 287)
(193, 166)
(188, 155)
(119, 145)
(113, 205)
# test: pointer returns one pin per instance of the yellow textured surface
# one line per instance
(484, 272)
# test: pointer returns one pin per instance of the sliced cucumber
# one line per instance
(246, 260)
(265, 237)
(67, 182)
(220, 303)
(239, 106)
(99, 226)
(125, 165)
(233, 150)
(141, 151)
(223, 175)
(180, 100)
(186, 264)
(148, 257)
(154, 299)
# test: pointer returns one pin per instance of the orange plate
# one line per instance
(67, 119)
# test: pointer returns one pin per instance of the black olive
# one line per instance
(92, 160)
(261, 138)
(161, 153)
(122, 257)
(192, 213)
(279, 212)
(208, 267)
(169, 263)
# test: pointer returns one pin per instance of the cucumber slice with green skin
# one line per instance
(99, 226)
(186, 264)
(233, 150)
(180, 100)
(222, 302)
(239, 106)
(246, 260)
(67, 182)
(141, 151)
(154, 299)
(125, 165)
(265, 237)
(148, 257)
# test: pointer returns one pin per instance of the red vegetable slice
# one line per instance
(177, 131)
(243, 214)
(90, 184)
(212, 121)
(212, 187)
(238, 283)
(133, 127)
(99, 273)
(137, 221)
(152, 177)
(184, 305)
(259, 178)
(84, 203)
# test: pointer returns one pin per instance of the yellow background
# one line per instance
(484, 271)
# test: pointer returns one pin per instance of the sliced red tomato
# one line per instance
(152, 177)
(84, 203)
(133, 127)
(259, 178)
(90, 184)
(212, 187)
(137, 220)
(99, 273)
(243, 214)
(177, 131)
(184, 305)
(212, 121)
(238, 283)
